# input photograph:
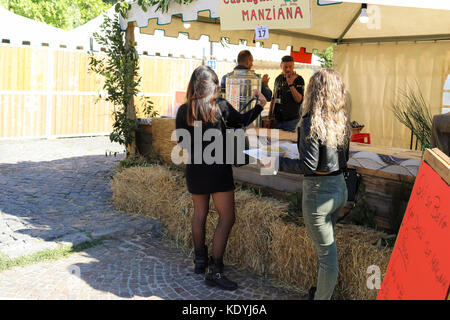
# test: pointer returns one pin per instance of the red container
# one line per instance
(360, 137)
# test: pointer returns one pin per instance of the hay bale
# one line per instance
(355, 254)
(250, 238)
(294, 260)
(158, 193)
(259, 240)
(162, 129)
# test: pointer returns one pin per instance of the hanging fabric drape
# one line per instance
(375, 74)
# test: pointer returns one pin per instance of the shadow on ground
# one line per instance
(69, 201)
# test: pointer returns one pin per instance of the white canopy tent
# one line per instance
(336, 23)
(163, 45)
(26, 31)
(16, 29)
(399, 45)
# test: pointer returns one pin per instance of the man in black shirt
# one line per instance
(288, 97)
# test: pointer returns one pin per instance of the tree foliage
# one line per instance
(64, 14)
(327, 57)
(120, 71)
(69, 14)
(123, 6)
(163, 5)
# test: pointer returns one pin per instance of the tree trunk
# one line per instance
(131, 111)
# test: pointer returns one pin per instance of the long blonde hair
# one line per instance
(326, 102)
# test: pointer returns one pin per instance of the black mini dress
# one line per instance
(203, 178)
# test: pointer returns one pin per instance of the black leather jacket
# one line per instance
(314, 156)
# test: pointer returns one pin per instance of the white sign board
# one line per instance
(261, 33)
(275, 14)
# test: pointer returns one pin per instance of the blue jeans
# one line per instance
(287, 125)
(323, 198)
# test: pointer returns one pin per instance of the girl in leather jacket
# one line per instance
(324, 135)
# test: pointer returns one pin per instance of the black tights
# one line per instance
(224, 203)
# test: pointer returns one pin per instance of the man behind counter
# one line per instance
(245, 61)
(288, 97)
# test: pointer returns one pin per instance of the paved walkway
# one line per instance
(57, 192)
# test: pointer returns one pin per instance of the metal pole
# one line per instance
(210, 49)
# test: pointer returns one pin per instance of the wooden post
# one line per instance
(131, 111)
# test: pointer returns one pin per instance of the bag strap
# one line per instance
(221, 116)
(245, 106)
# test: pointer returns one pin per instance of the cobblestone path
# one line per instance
(57, 192)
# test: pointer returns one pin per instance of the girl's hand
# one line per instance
(261, 99)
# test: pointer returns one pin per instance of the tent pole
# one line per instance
(358, 13)
(131, 111)
(431, 37)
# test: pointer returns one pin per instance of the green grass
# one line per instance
(46, 255)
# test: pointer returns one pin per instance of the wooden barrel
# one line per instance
(144, 140)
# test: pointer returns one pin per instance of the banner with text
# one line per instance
(275, 14)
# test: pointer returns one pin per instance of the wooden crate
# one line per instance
(381, 190)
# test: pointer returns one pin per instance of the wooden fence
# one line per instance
(49, 93)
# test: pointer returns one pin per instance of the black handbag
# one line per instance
(239, 149)
(239, 157)
(353, 180)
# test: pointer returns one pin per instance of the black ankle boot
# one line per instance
(201, 260)
(311, 293)
(215, 276)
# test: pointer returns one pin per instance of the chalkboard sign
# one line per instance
(419, 267)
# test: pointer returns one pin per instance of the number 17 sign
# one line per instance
(262, 33)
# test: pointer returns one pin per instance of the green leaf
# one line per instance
(63, 14)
